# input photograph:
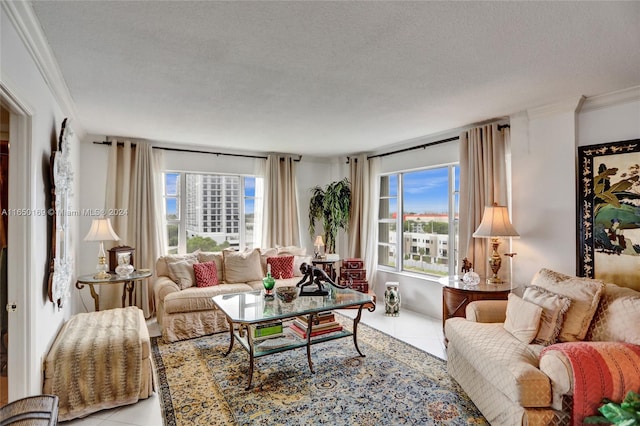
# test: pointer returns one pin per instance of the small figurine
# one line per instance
(315, 276)
(466, 265)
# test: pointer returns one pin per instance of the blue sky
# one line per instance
(427, 191)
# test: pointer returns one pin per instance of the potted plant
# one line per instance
(332, 206)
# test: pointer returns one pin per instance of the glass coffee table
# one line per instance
(245, 311)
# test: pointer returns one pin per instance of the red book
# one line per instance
(303, 333)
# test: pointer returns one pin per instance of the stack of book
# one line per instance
(266, 330)
(323, 323)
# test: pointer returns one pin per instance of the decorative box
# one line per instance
(354, 274)
(360, 285)
(353, 263)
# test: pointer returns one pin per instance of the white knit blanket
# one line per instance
(97, 362)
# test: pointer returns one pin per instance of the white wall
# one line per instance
(543, 155)
(21, 76)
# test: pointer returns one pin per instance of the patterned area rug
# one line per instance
(394, 384)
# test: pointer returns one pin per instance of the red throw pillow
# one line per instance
(281, 266)
(206, 274)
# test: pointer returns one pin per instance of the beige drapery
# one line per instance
(363, 221)
(482, 182)
(134, 188)
(280, 224)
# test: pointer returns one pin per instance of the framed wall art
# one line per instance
(609, 212)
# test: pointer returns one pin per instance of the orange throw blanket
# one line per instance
(600, 370)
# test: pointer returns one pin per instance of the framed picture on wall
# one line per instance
(609, 212)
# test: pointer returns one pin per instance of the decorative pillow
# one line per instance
(206, 274)
(213, 256)
(242, 267)
(584, 293)
(297, 261)
(523, 318)
(554, 308)
(618, 316)
(281, 266)
(181, 272)
(164, 261)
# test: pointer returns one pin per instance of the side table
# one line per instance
(128, 281)
(456, 295)
(328, 266)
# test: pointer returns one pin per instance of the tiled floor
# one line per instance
(418, 330)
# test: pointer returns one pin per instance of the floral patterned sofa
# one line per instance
(185, 285)
(550, 356)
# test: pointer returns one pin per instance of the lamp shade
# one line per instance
(319, 241)
(101, 230)
(495, 223)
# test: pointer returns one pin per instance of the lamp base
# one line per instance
(102, 275)
(494, 280)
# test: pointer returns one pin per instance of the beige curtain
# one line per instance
(280, 207)
(359, 217)
(134, 187)
(482, 182)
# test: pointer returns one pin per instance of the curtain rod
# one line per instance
(195, 151)
(454, 138)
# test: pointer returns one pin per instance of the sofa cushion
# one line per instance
(242, 266)
(554, 308)
(293, 250)
(617, 316)
(206, 274)
(199, 299)
(584, 294)
(161, 264)
(281, 266)
(264, 255)
(523, 318)
(182, 272)
(501, 359)
(213, 256)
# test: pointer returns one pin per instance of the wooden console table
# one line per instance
(456, 295)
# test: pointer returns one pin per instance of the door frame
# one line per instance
(20, 238)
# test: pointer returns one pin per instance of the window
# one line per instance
(209, 212)
(418, 220)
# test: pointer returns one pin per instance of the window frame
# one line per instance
(182, 217)
(398, 246)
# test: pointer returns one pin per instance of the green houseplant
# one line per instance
(330, 205)
(627, 413)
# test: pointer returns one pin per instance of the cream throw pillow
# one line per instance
(242, 267)
(523, 318)
(618, 316)
(297, 262)
(181, 272)
(585, 295)
(554, 308)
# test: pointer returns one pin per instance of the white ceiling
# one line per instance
(329, 78)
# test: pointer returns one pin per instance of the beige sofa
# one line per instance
(516, 382)
(185, 311)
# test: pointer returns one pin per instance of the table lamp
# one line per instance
(495, 225)
(101, 231)
(318, 243)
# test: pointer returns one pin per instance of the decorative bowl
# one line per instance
(287, 294)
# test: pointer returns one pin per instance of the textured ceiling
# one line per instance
(329, 78)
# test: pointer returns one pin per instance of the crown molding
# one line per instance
(568, 105)
(632, 94)
(24, 20)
